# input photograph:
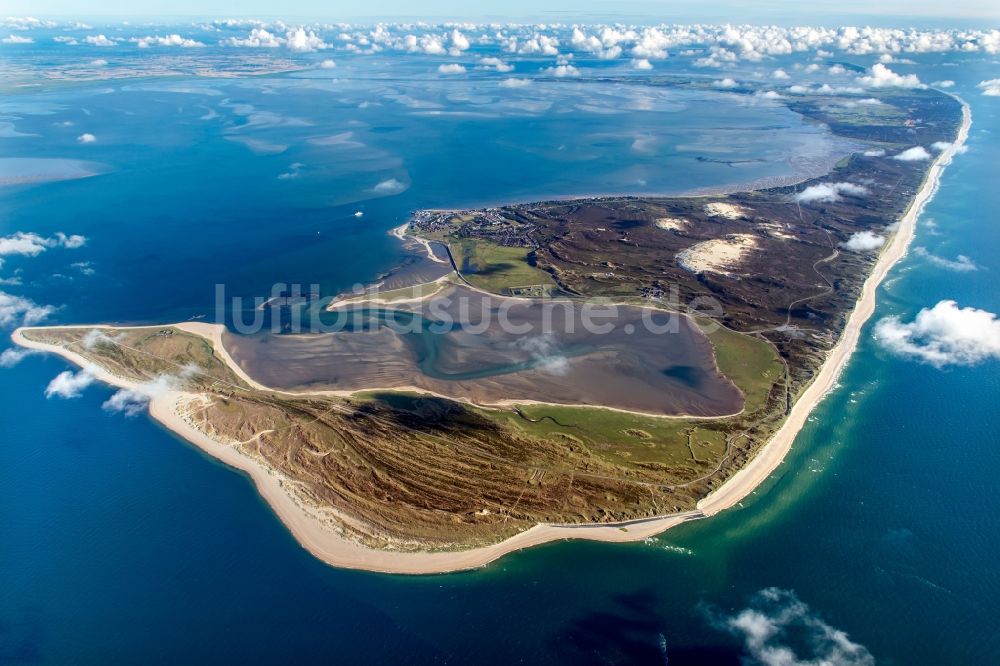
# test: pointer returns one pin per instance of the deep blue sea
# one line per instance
(121, 543)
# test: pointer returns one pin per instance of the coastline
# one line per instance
(324, 543)
(773, 453)
(306, 525)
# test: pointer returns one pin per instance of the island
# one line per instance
(398, 444)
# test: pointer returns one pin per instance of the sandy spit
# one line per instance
(316, 536)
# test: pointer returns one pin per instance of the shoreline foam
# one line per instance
(325, 544)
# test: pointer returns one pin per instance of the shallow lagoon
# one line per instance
(470, 345)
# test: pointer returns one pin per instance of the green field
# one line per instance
(626, 439)
(496, 268)
(750, 363)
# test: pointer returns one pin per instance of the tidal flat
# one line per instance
(487, 349)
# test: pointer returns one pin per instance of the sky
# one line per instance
(828, 12)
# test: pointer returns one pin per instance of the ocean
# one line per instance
(122, 543)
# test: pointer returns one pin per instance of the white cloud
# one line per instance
(888, 58)
(96, 336)
(237, 22)
(327, 64)
(73, 241)
(830, 192)
(31, 244)
(304, 41)
(495, 64)
(863, 241)
(942, 146)
(545, 353)
(515, 83)
(166, 41)
(126, 401)
(719, 57)
(68, 384)
(100, 62)
(711, 45)
(610, 53)
(429, 44)
(943, 335)
(26, 23)
(880, 76)
(86, 137)
(780, 630)
(961, 264)
(653, 43)
(780, 75)
(947, 83)
(459, 43)
(28, 245)
(14, 355)
(451, 68)
(294, 170)
(133, 401)
(258, 38)
(603, 49)
(915, 154)
(990, 88)
(874, 152)
(390, 186)
(852, 103)
(17, 310)
(99, 40)
(564, 70)
(17, 39)
(583, 42)
(539, 43)
(724, 83)
(642, 63)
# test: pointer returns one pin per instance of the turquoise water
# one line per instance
(121, 543)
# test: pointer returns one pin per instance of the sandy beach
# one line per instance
(773, 453)
(314, 533)
(311, 529)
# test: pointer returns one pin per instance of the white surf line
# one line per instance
(772, 454)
